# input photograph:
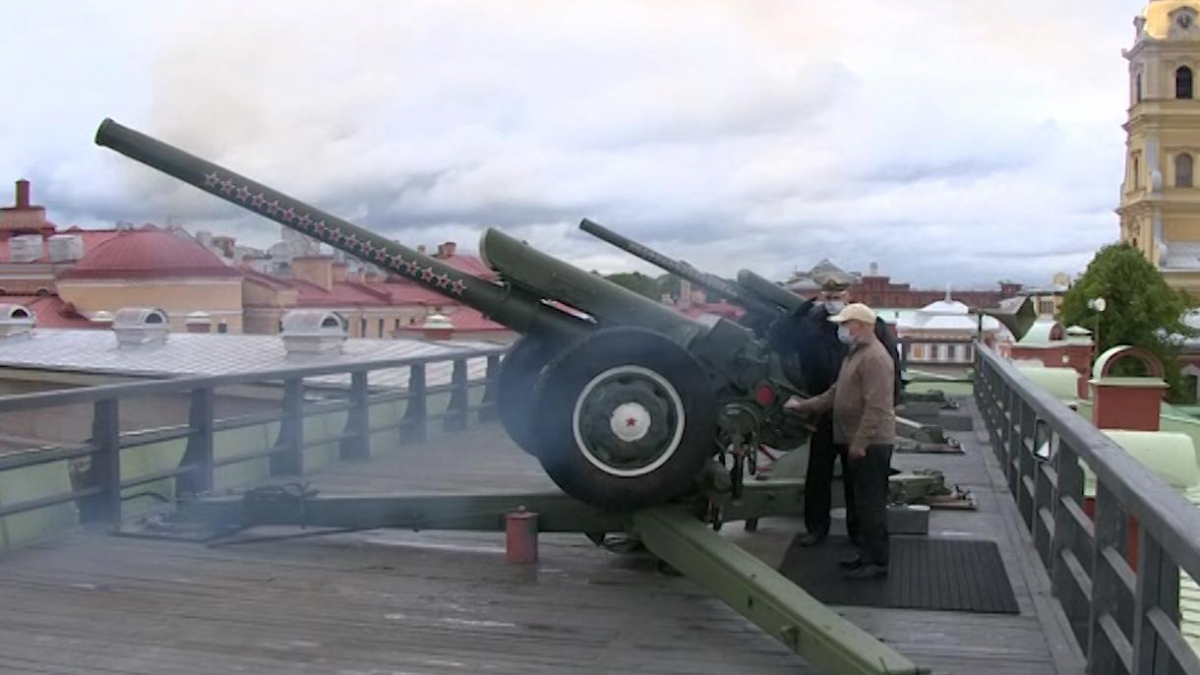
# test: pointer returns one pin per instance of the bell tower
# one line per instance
(1160, 198)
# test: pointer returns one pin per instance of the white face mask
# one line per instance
(834, 306)
(844, 335)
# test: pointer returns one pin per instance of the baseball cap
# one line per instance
(855, 311)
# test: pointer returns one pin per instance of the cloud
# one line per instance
(925, 136)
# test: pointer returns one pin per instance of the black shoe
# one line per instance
(852, 563)
(866, 572)
(811, 539)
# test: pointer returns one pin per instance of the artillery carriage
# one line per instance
(623, 400)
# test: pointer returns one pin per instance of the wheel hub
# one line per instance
(628, 421)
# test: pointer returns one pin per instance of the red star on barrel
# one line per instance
(396, 260)
(412, 267)
(273, 208)
(289, 213)
(630, 422)
(443, 281)
(227, 186)
(336, 235)
(211, 179)
(458, 287)
(305, 221)
(427, 273)
(243, 193)
(319, 227)
(258, 200)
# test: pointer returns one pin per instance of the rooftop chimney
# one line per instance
(15, 320)
(437, 327)
(316, 270)
(199, 322)
(308, 332)
(22, 194)
(136, 326)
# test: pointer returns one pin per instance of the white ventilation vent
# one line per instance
(65, 248)
(140, 326)
(313, 331)
(15, 320)
(25, 248)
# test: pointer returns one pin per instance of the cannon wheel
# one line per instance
(627, 419)
(515, 380)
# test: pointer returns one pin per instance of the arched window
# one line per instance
(1183, 82)
(1183, 170)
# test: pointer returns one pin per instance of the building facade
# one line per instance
(1160, 205)
(77, 278)
(878, 290)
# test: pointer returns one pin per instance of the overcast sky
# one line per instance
(951, 141)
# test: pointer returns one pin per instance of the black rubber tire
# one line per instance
(565, 378)
(515, 379)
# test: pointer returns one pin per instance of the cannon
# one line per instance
(624, 401)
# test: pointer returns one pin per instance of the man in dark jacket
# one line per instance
(821, 353)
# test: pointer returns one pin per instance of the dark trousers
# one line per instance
(869, 477)
(818, 481)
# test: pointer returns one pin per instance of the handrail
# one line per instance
(1165, 513)
(88, 394)
(101, 496)
(1114, 557)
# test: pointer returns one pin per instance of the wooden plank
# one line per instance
(387, 601)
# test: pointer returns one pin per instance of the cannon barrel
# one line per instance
(766, 291)
(518, 309)
(721, 287)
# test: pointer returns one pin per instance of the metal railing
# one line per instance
(100, 497)
(1114, 560)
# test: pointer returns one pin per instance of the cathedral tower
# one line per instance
(1160, 200)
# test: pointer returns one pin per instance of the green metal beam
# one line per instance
(776, 605)
(556, 512)
(480, 512)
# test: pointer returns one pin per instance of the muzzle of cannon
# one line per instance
(623, 400)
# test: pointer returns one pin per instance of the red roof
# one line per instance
(468, 320)
(150, 254)
(91, 239)
(722, 309)
(469, 264)
(49, 311)
(393, 293)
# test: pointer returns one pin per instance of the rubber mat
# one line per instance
(924, 573)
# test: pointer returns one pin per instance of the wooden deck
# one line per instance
(392, 603)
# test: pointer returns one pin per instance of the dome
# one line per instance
(149, 254)
(945, 307)
(1159, 15)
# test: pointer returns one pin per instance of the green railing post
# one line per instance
(105, 470)
(457, 415)
(199, 453)
(487, 409)
(290, 459)
(357, 444)
(416, 417)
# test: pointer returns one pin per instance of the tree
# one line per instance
(1142, 310)
(637, 282)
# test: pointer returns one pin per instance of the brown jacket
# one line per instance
(863, 398)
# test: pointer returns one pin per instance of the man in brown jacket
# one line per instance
(864, 423)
